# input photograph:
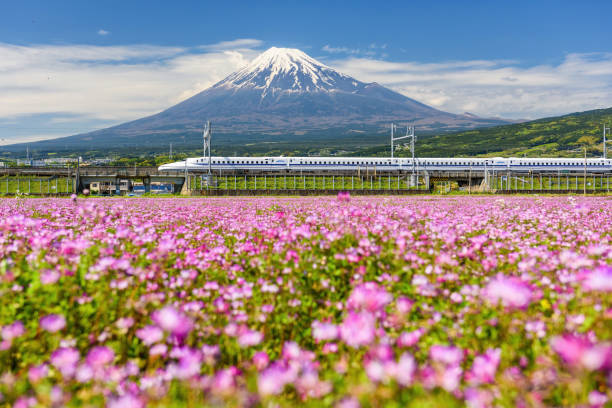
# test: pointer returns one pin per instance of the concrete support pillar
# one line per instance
(576, 182)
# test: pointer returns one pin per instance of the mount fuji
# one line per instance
(282, 95)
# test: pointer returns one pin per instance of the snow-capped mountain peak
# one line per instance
(283, 92)
(288, 70)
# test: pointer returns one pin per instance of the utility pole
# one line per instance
(186, 176)
(606, 130)
(409, 134)
(470, 181)
(78, 176)
(207, 135)
(585, 167)
(393, 139)
(170, 156)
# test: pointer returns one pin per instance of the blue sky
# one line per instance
(73, 66)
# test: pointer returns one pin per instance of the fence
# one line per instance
(543, 182)
(287, 183)
(13, 185)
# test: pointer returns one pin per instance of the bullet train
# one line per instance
(200, 164)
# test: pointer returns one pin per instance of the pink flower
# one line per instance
(368, 296)
(447, 355)
(250, 338)
(484, 367)
(358, 329)
(477, 398)
(451, 378)
(599, 280)
(597, 399)
(344, 196)
(349, 402)
(126, 401)
(511, 292)
(13, 330)
(404, 305)
(261, 360)
(329, 348)
(100, 356)
(224, 381)
(65, 360)
(189, 365)
(405, 370)
(158, 349)
(409, 339)
(38, 372)
(375, 370)
(53, 322)
(322, 331)
(49, 276)
(125, 323)
(84, 373)
(309, 385)
(173, 321)
(272, 380)
(150, 334)
(578, 351)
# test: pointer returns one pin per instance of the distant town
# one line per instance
(56, 161)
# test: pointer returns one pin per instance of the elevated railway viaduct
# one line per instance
(64, 180)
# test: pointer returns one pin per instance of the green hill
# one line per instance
(561, 136)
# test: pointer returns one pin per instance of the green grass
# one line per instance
(35, 185)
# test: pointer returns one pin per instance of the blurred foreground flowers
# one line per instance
(343, 301)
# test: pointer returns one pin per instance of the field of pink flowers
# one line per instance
(344, 302)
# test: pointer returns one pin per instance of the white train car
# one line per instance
(200, 164)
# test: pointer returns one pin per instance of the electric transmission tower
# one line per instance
(207, 135)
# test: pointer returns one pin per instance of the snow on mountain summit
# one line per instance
(289, 70)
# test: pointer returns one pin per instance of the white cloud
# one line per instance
(240, 43)
(350, 51)
(340, 50)
(89, 87)
(103, 32)
(112, 84)
(495, 88)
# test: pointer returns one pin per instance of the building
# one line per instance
(103, 187)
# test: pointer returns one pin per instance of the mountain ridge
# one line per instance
(556, 136)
